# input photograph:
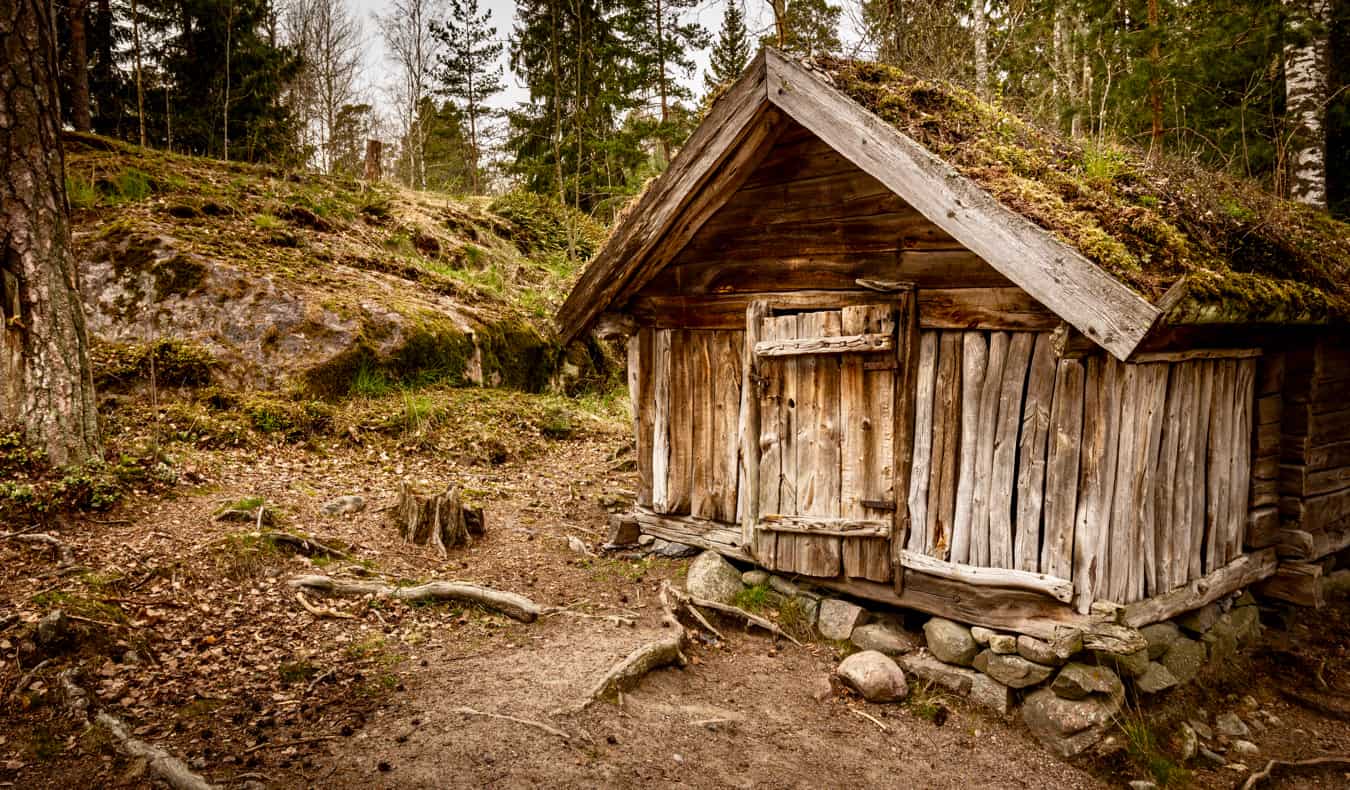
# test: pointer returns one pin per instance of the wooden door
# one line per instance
(825, 501)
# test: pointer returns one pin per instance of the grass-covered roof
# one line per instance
(1245, 254)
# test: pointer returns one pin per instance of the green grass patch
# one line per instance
(266, 222)
(753, 599)
(1144, 749)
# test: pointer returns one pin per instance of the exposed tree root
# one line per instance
(625, 675)
(321, 611)
(1321, 705)
(159, 763)
(306, 546)
(1265, 773)
(28, 678)
(61, 550)
(538, 725)
(689, 601)
(512, 605)
(616, 619)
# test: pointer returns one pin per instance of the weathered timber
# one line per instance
(773, 422)
(643, 392)
(785, 550)
(825, 525)
(1054, 273)
(903, 424)
(939, 308)
(1219, 465)
(1192, 354)
(974, 361)
(1246, 570)
(1200, 417)
(1001, 486)
(702, 408)
(432, 517)
(1096, 478)
(1059, 589)
(1166, 535)
(1299, 583)
(986, 428)
(925, 389)
(1182, 534)
(662, 501)
(1061, 480)
(1316, 512)
(727, 350)
(866, 401)
(722, 151)
(946, 446)
(750, 430)
(1154, 391)
(1240, 473)
(1300, 481)
(1124, 522)
(683, 396)
(1040, 390)
(721, 538)
(818, 388)
(1263, 525)
(842, 344)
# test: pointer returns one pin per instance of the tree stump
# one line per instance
(440, 519)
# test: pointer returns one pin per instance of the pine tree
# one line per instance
(468, 69)
(658, 43)
(809, 27)
(732, 50)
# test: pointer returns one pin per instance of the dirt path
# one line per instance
(204, 651)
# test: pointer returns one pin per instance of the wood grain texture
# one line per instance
(698, 361)
(904, 386)
(826, 525)
(925, 389)
(946, 446)
(866, 401)
(1122, 557)
(1055, 274)
(1244, 402)
(1059, 589)
(974, 361)
(843, 344)
(1003, 481)
(1219, 461)
(750, 429)
(1200, 417)
(820, 556)
(773, 422)
(1061, 480)
(1032, 449)
(662, 501)
(1169, 535)
(986, 428)
(1096, 483)
(1241, 572)
(727, 350)
(1154, 392)
(642, 391)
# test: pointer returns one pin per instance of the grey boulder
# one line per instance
(712, 578)
(950, 642)
(1069, 727)
(883, 638)
(873, 675)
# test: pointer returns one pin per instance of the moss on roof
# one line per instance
(1247, 255)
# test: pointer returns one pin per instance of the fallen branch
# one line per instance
(735, 611)
(1265, 773)
(28, 678)
(626, 674)
(60, 549)
(159, 763)
(869, 717)
(667, 592)
(306, 546)
(515, 606)
(7, 621)
(319, 679)
(616, 619)
(538, 725)
(321, 611)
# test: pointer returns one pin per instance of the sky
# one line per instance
(758, 14)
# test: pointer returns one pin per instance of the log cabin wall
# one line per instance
(1309, 389)
(1129, 479)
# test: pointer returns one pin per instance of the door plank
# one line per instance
(984, 449)
(662, 373)
(974, 361)
(1001, 487)
(946, 429)
(1032, 454)
(925, 386)
(1061, 469)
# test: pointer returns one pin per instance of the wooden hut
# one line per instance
(886, 337)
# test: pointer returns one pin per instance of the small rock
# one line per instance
(755, 578)
(980, 688)
(1241, 748)
(1186, 742)
(1130, 665)
(837, 619)
(809, 608)
(1230, 724)
(1003, 644)
(950, 642)
(713, 578)
(1015, 671)
(1143, 784)
(1068, 727)
(1050, 653)
(53, 629)
(883, 638)
(1160, 636)
(1245, 599)
(623, 530)
(1202, 729)
(981, 635)
(1201, 620)
(1221, 640)
(1156, 678)
(874, 675)
(647, 540)
(783, 587)
(1212, 757)
(578, 546)
(344, 505)
(674, 550)
(1076, 681)
(989, 693)
(1271, 719)
(1246, 621)
(1184, 659)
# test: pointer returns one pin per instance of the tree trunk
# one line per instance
(981, 32)
(1305, 85)
(1155, 140)
(79, 68)
(46, 385)
(436, 518)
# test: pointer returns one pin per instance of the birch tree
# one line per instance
(412, 49)
(1305, 86)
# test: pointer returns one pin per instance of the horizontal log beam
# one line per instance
(1195, 353)
(1299, 583)
(820, 525)
(841, 344)
(1241, 572)
(725, 539)
(1059, 589)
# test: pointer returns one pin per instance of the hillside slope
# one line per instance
(297, 281)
